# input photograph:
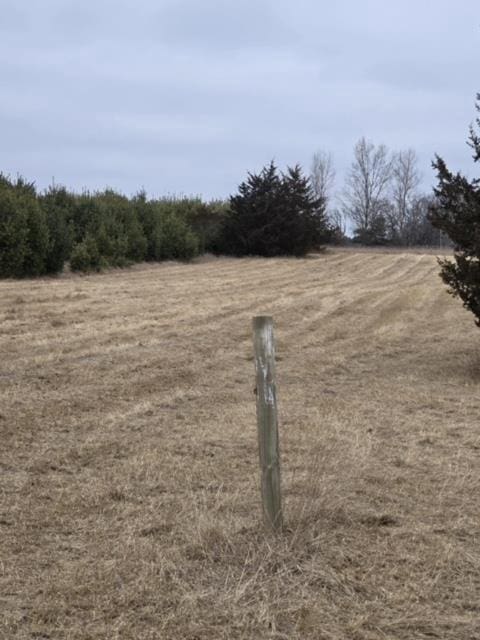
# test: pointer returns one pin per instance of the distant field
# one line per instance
(129, 504)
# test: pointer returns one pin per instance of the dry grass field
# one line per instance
(129, 504)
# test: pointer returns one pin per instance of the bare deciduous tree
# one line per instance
(339, 222)
(405, 181)
(420, 230)
(322, 175)
(367, 182)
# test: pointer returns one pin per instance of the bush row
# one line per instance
(39, 232)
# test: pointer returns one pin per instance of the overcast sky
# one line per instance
(186, 96)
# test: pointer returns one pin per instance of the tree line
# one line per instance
(39, 232)
(380, 199)
(272, 213)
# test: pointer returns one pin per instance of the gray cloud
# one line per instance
(186, 96)
(222, 26)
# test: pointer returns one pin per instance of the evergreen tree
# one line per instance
(274, 215)
(375, 234)
(456, 212)
(24, 236)
(58, 206)
(86, 256)
(304, 226)
(13, 233)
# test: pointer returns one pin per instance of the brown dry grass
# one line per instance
(129, 497)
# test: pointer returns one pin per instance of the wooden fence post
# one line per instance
(268, 441)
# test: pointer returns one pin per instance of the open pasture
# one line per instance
(129, 504)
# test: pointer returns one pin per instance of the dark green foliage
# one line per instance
(305, 222)
(24, 235)
(174, 240)
(146, 215)
(165, 224)
(206, 220)
(115, 226)
(86, 256)
(39, 233)
(456, 212)
(84, 215)
(374, 234)
(38, 240)
(251, 226)
(274, 214)
(58, 205)
(13, 234)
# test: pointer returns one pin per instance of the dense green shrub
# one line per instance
(206, 221)
(58, 206)
(24, 235)
(169, 236)
(13, 235)
(86, 256)
(175, 240)
(122, 234)
(147, 216)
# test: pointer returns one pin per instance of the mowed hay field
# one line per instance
(129, 466)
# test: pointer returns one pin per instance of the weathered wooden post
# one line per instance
(268, 442)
